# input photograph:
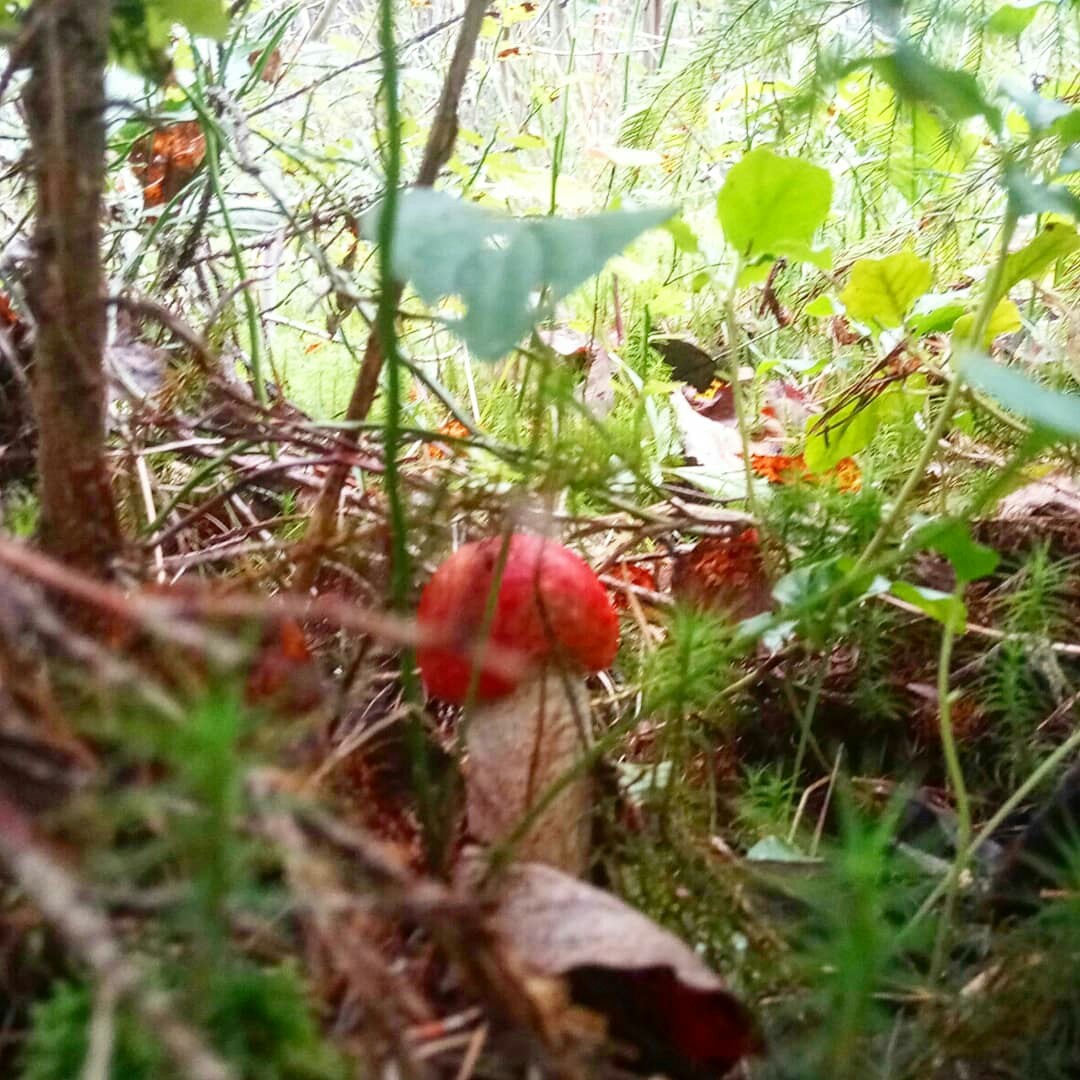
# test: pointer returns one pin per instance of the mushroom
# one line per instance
(528, 726)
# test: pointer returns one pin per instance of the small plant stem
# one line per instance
(385, 318)
(960, 795)
(1038, 775)
(734, 352)
(945, 413)
(386, 335)
(805, 724)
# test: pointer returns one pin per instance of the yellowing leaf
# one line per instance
(1004, 320)
(882, 290)
(1058, 239)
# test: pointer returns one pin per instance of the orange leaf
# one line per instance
(725, 573)
(165, 160)
(632, 574)
(455, 429)
(791, 468)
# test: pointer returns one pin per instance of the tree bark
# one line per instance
(64, 101)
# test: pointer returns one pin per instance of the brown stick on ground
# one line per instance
(66, 48)
(440, 145)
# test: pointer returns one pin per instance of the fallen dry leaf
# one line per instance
(632, 574)
(165, 160)
(791, 469)
(455, 429)
(726, 574)
(666, 1010)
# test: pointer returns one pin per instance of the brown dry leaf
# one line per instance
(284, 675)
(1054, 493)
(665, 1008)
(436, 451)
(165, 160)
(271, 69)
(726, 574)
(1043, 511)
(632, 574)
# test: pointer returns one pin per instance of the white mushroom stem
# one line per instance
(518, 747)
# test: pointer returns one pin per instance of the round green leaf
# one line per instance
(773, 205)
(881, 291)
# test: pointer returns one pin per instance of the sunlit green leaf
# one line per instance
(853, 428)
(1057, 239)
(934, 313)
(882, 290)
(498, 264)
(773, 205)
(952, 538)
(1051, 410)
(822, 306)
(204, 18)
(945, 608)
(1013, 19)
(686, 240)
(1004, 319)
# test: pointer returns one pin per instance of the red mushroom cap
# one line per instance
(549, 604)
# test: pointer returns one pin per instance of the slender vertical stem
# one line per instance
(734, 352)
(960, 795)
(385, 325)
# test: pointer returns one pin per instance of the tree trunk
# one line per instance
(64, 101)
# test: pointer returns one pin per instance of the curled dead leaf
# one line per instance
(666, 1010)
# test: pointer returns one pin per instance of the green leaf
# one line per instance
(755, 273)
(1067, 127)
(934, 313)
(882, 290)
(1053, 411)
(497, 264)
(1057, 239)
(1004, 319)
(204, 18)
(1028, 196)
(772, 205)
(686, 240)
(945, 608)
(852, 429)
(1013, 19)
(1040, 112)
(776, 849)
(956, 94)
(822, 306)
(952, 538)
